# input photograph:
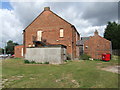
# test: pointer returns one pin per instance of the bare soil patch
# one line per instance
(114, 69)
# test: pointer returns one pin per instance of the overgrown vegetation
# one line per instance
(84, 57)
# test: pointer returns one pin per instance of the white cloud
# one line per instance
(11, 27)
(85, 27)
(83, 16)
(63, 0)
(26, 12)
(89, 31)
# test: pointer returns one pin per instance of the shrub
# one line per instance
(68, 57)
(40, 63)
(26, 61)
(97, 60)
(84, 57)
(33, 62)
(46, 63)
(17, 58)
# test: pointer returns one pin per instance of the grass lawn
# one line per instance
(75, 74)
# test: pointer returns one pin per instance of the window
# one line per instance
(61, 33)
(39, 35)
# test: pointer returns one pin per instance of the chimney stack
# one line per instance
(96, 32)
(46, 8)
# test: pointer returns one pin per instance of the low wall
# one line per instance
(53, 55)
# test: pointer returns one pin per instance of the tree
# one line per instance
(112, 33)
(10, 47)
(1, 50)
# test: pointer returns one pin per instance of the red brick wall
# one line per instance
(96, 46)
(18, 51)
(51, 24)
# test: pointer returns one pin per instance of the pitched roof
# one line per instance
(51, 12)
(81, 42)
(85, 38)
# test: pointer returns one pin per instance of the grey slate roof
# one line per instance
(85, 38)
(81, 42)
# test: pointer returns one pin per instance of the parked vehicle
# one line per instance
(4, 56)
(12, 56)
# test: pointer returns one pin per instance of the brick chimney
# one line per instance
(46, 8)
(95, 33)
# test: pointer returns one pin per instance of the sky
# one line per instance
(85, 16)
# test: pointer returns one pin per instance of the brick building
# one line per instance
(94, 46)
(18, 51)
(50, 29)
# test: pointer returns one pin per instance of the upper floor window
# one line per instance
(61, 33)
(39, 35)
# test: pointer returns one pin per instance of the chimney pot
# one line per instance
(46, 8)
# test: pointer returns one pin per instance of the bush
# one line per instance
(26, 61)
(33, 62)
(66, 60)
(30, 62)
(17, 58)
(68, 57)
(46, 63)
(97, 60)
(84, 57)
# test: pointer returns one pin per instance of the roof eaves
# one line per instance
(75, 29)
